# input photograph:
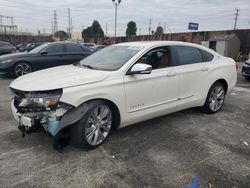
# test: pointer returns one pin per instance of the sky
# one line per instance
(34, 15)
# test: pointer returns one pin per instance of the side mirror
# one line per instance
(44, 52)
(140, 68)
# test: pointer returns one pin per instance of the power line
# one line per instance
(236, 18)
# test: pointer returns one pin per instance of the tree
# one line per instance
(62, 35)
(97, 29)
(131, 28)
(93, 31)
(87, 33)
(159, 31)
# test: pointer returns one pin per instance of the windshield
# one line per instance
(110, 58)
(39, 48)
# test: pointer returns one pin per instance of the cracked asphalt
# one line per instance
(164, 152)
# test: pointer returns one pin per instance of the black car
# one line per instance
(44, 56)
(6, 48)
(29, 47)
(246, 70)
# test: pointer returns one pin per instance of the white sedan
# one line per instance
(121, 85)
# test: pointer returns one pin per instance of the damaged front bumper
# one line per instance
(52, 121)
(34, 120)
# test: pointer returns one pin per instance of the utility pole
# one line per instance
(1, 22)
(71, 26)
(69, 33)
(55, 22)
(164, 27)
(106, 29)
(140, 31)
(116, 3)
(149, 28)
(236, 18)
(52, 27)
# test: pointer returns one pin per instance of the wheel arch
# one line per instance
(223, 82)
(114, 108)
(22, 61)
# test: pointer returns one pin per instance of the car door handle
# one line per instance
(171, 73)
(204, 68)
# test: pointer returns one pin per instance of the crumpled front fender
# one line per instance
(72, 116)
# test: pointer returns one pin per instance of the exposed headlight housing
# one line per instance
(6, 61)
(41, 100)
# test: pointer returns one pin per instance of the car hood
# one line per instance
(58, 77)
(14, 55)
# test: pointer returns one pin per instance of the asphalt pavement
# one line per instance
(164, 152)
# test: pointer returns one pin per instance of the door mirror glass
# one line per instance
(43, 52)
(140, 68)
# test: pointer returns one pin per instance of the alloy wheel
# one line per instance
(22, 69)
(216, 98)
(98, 125)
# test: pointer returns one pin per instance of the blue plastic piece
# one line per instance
(194, 183)
(53, 125)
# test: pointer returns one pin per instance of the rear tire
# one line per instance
(94, 127)
(215, 98)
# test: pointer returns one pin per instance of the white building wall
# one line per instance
(220, 47)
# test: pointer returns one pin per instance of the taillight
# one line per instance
(237, 66)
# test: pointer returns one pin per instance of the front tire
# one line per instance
(247, 78)
(95, 126)
(21, 69)
(215, 98)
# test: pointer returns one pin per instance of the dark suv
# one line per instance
(6, 48)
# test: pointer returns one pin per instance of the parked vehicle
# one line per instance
(99, 47)
(246, 70)
(90, 45)
(20, 45)
(29, 47)
(121, 85)
(6, 48)
(44, 56)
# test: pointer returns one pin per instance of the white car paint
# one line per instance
(58, 77)
(138, 97)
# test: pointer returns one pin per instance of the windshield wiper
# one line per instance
(89, 66)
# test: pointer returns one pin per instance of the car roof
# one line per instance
(61, 42)
(149, 44)
(154, 43)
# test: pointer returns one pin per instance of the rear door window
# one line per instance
(207, 56)
(72, 48)
(188, 55)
